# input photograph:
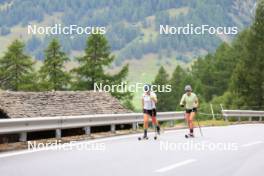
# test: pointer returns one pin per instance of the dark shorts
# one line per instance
(188, 111)
(151, 112)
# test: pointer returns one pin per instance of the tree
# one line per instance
(16, 68)
(92, 66)
(177, 84)
(212, 74)
(248, 77)
(52, 74)
(223, 68)
(4, 31)
(204, 70)
(162, 79)
(91, 69)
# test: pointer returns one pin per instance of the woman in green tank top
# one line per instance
(189, 100)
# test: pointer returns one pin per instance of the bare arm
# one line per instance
(182, 102)
(154, 99)
(197, 103)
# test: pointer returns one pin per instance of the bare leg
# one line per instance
(146, 118)
(192, 116)
(187, 116)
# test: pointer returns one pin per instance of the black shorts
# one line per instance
(188, 111)
(151, 112)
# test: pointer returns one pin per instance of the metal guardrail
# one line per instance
(24, 125)
(243, 113)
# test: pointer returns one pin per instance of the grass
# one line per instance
(182, 123)
(145, 70)
(141, 70)
(150, 33)
(179, 124)
(20, 32)
(174, 12)
(5, 5)
(213, 123)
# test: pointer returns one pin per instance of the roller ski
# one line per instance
(145, 137)
(189, 136)
(156, 136)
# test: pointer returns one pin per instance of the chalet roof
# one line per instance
(57, 103)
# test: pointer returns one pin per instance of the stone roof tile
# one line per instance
(58, 103)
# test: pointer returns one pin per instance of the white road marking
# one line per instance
(17, 153)
(252, 143)
(173, 166)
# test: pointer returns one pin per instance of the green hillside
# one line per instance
(132, 26)
(132, 29)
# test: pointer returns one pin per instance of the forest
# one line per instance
(132, 26)
(231, 75)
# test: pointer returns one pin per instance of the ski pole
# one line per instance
(199, 126)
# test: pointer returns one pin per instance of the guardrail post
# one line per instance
(260, 119)
(134, 126)
(23, 137)
(58, 133)
(171, 123)
(212, 110)
(226, 118)
(250, 119)
(239, 119)
(87, 130)
(113, 128)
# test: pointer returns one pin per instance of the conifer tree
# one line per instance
(161, 80)
(16, 68)
(92, 69)
(52, 73)
(248, 78)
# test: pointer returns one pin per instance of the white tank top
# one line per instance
(147, 101)
(153, 94)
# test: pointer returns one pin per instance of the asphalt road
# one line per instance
(222, 151)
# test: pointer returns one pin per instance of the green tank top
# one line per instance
(189, 101)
